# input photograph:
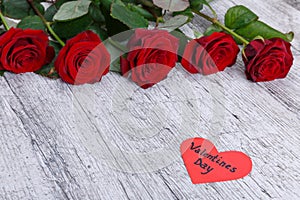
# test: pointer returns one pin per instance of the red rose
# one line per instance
(267, 60)
(84, 59)
(24, 50)
(210, 54)
(153, 53)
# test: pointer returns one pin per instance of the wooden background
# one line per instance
(113, 140)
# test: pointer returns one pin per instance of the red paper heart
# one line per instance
(205, 164)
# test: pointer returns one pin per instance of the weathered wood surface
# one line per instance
(115, 141)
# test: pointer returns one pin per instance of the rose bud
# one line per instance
(84, 59)
(152, 55)
(210, 54)
(267, 60)
(24, 50)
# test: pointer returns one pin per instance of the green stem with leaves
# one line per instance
(218, 23)
(47, 24)
(4, 21)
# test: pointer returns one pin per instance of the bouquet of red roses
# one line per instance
(81, 41)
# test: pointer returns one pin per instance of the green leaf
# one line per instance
(98, 30)
(32, 22)
(97, 2)
(183, 40)
(96, 14)
(2, 72)
(174, 23)
(259, 28)
(40, 8)
(49, 70)
(115, 66)
(205, 2)
(17, 9)
(131, 19)
(239, 16)
(130, 1)
(187, 12)
(212, 29)
(71, 28)
(72, 10)
(141, 11)
(59, 3)
(196, 4)
(57, 47)
(114, 54)
(172, 5)
(118, 26)
(106, 4)
(50, 12)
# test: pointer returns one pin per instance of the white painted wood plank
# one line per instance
(21, 174)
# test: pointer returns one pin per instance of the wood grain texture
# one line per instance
(113, 140)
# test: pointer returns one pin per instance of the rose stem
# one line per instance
(47, 24)
(218, 23)
(4, 21)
